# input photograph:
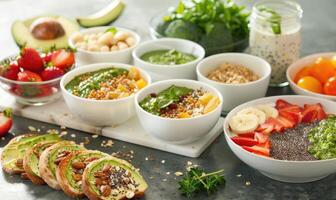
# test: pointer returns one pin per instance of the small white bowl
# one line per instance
(164, 72)
(236, 94)
(177, 131)
(282, 170)
(85, 57)
(100, 112)
(294, 68)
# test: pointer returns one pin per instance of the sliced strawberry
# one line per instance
(6, 121)
(258, 150)
(292, 108)
(280, 103)
(294, 117)
(249, 135)
(260, 137)
(266, 144)
(10, 71)
(278, 126)
(50, 73)
(63, 59)
(28, 76)
(313, 112)
(30, 60)
(265, 128)
(244, 141)
(286, 122)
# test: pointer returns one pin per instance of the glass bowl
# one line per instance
(31, 93)
(236, 46)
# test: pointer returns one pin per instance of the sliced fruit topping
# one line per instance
(258, 150)
(244, 141)
(269, 110)
(261, 116)
(243, 123)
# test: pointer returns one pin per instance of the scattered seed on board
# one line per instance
(146, 158)
(163, 161)
(63, 133)
(168, 173)
(53, 131)
(95, 136)
(164, 180)
(247, 183)
(238, 175)
(73, 135)
(63, 127)
(32, 128)
(2, 138)
(178, 173)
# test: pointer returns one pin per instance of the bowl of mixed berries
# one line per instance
(33, 77)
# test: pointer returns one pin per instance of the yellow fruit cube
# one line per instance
(183, 115)
(205, 98)
(141, 83)
(134, 73)
(122, 88)
(213, 103)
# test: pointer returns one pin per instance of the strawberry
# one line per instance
(244, 141)
(30, 60)
(260, 137)
(11, 71)
(312, 113)
(51, 73)
(28, 76)
(263, 151)
(6, 121)
(47, 58)
(248, 135)
(265, 128)
(63, 59)
(280, 103)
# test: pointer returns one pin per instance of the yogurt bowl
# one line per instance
(174, 71)
(177, 130)
(85, 55)
(100, 112)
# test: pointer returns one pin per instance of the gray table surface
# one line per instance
(318, 32)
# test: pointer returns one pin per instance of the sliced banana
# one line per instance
(269, 110)
(243, 123)
(261, 116)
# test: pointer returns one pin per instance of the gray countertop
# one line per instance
(318, 35)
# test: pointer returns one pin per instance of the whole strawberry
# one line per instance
(10, 71)
(30, 60)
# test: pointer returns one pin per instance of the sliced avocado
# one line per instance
(44, 32)
(104, 16)
(15, 150)
(93, 191)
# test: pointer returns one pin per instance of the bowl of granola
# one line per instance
(239, 77)
(102, 94)
(178, 111)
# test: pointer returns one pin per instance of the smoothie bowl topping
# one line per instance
(180, 102)
(286, 131)
(168, 57)
(107, 84)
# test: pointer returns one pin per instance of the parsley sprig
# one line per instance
(196, 180)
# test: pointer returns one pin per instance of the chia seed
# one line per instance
(292, 144)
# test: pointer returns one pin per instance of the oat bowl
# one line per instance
(239, 77)
(102, 94)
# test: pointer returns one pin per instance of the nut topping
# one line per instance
(77, 177)
(19, 163)
(105, 190)
(78, 165)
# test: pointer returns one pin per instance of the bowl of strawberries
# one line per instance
(33, 77)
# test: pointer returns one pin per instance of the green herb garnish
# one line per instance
(196, 180)
(322, 139)
(274, 19)
(113, 30)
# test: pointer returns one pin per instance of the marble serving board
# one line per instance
(130, 131)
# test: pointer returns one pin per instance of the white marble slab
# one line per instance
(131, 131)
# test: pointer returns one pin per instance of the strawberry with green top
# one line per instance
(6, 121)
(30, 60)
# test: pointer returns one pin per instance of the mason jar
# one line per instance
(275, 35)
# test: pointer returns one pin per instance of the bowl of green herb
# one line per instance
(219, 26)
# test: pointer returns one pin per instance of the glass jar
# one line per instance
(275, 28)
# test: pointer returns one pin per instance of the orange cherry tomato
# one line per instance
(330, 86)
(310, 83)
(306, 71)
(323, 69)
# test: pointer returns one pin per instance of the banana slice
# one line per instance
(269, 110)
(261, 116)
(243, 123)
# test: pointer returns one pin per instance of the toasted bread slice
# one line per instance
(108, 173)
(31, 161)
(70, 170)
(51, 157)
(13, 152)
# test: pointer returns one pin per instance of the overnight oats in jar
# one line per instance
(275, 35)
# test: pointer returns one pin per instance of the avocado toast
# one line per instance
(31, 161)
(70, 170)
(13, 153)
(111, 178)
(51, 157)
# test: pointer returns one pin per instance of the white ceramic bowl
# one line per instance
(100, 112)
(164, 72)
(236, 94)
(85, 57)
(178, 131)
(294, 68)
(287, 171)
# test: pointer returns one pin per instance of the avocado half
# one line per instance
(91, 190)
(104, 16)
(15, 150)
(23, 35)
(65, 171)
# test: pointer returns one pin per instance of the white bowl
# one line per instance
(236, 94)
(164, 72)
(282, 170)
(177, 131)
(100, 112)
(85, 57)
(294, 68)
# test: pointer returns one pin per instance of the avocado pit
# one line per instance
(46, 29)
